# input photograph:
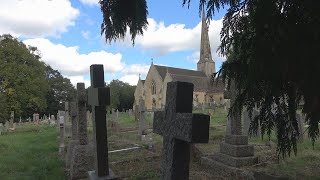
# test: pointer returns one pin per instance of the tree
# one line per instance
(122, 95)
(22, 80)
(60, 90)
(272, 56)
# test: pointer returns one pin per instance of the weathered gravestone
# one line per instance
(300, 126)
(6, 126)
(234, 151)
(68, 122)
(142, 126)
(1, 129)
(114, 120)
(35, 118)
(61, 123)
(99, 98)
(247, 121)
(11, 119)
(136, 112)
(74, 132)
(52, 120)
(82, 159)
(179, 128)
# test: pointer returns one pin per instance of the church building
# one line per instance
(153, 89)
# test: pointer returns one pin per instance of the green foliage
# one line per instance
(118, 15)
(60, 90)
(272, 58)
(122, 95)
(22, 80)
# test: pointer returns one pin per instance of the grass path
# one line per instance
(30, 153)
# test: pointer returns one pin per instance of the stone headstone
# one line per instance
(68, 120)
(1, 129)
(11, 119)
(35, 118)
(74, 120)
(247, 121)
(52, 120)
(99, 98)
(300, 126)
(136, 112)
(179, 128)
(6, 126)
(142, 126)
(61, 124)
(82, 155)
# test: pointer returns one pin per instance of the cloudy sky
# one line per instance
(67, 32)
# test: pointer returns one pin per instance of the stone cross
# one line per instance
(74, 120)
(142, 115)
(179, 128)
(82, 100)
(99, 98)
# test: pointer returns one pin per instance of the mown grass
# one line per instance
(30, 153)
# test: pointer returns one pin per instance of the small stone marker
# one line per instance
(142, 127)
(99, 98)
(11, 119)
(61, 126)
(179, 128)
(300, 126)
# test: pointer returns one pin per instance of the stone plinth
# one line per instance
(234, 153)
(92, 176)
(82, 161)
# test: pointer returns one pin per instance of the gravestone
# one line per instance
(179, 128)
(52, 120)
(68, 123)
(74, 132)
(142, 126)
(99, 98)
(36, 118)
(61, 123)
(117, 113)
(234, 151)
(11, 119)
(247, 121)
(136, 112)
(114, 120)
(6, 126)
(1, 129)
(82, 155)
(300, 126)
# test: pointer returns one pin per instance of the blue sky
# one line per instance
(67, 32)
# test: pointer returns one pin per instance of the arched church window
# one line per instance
(153, 88)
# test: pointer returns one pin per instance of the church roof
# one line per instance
(201, 84)
(185, 72)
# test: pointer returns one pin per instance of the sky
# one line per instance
(68, 35)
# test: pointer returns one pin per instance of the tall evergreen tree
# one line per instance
(272, 56)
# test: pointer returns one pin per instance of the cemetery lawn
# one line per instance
(30, 153)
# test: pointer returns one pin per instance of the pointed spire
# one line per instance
(205, 51)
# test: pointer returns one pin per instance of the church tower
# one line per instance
(206, 63)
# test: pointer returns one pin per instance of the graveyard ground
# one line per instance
(31, 153)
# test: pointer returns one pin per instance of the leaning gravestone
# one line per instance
(142, 126)
(99, 98)
(74, 132)
(179, 128)
(82, 159)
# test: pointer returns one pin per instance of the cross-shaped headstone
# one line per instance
(82, 126)
(74, 121)
(179, 128)
(99, 98)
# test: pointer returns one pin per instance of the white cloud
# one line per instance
(34, 18)
(131, 79)
(162, 39)
(90, 2)
(85, 34)
(73, 64)
(131, 73)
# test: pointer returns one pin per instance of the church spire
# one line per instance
(205, 51)
(205, 63)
